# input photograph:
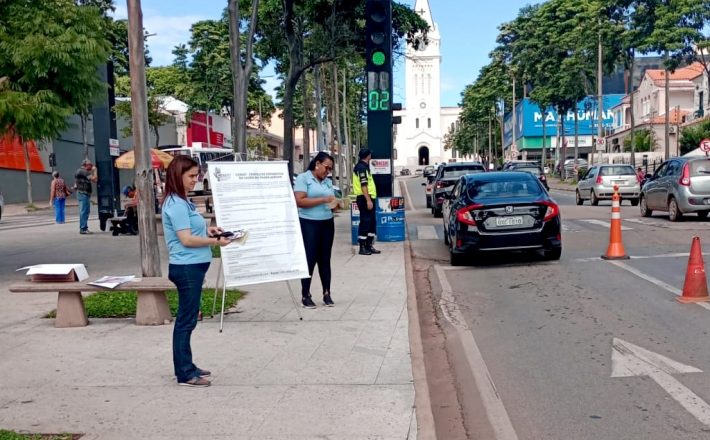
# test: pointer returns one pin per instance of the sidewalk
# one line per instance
(13, 209)
(341, 373)
(556, 183)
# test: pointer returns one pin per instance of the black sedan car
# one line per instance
(500, 211)
(446, 176)
(533, 169)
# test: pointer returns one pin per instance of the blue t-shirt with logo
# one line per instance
(179, 214)
(309, 184)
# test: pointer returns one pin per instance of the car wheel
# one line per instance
(553, 254)
(437, 212)
(634, 202)
(446, 236)
(674, 213)
(594, 199)
(454, 258)
(428, 202)
(645, 212)
(578, 198)
(702, 214)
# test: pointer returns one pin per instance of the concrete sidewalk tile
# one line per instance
(342, 412)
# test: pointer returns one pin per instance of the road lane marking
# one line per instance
(603, 223)
(426, 232)
(629, 360)
(653, 280)
(495, 410)
(641, 257)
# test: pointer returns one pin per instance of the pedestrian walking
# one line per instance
(315, 198)
(366, 196)
(640, 175)
(58, 193)
(84, 177)
(186, 236)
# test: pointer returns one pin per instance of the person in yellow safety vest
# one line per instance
(364, 189)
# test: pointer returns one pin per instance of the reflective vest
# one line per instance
(362, 176)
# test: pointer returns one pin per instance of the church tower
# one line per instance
(419, 137)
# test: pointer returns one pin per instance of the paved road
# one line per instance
(540, 336)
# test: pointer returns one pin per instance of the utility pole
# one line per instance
(490, 144)
(148, 234)
(600, 100)
(513, 147)
(667, 108)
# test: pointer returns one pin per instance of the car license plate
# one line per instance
(620, 182)
(509, 221)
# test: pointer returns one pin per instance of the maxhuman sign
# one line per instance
(530, 118)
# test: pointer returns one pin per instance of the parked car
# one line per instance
(533, 169)
(418, 171)
(429, 170)
(599, 181)
(679, 186)
(500, 211)
(429, 185)
(513, 163)
(446, 176)
(571, 164)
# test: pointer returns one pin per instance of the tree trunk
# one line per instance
(632, 120)
(563, 139)
(306, 123)
(148, 236)
(295, 69)
(319, 109)
(157, 137)
(28, 172)
(544, 138)
(346, 150)
(241, 72)
(84, 135)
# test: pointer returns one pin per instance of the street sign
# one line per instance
(601, 144)
(705, 145)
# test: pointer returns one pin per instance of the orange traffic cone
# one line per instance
(615, 251)
(695, 288)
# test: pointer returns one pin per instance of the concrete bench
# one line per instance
(152, 307)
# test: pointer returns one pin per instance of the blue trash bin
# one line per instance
(354, 221)
(390, 219)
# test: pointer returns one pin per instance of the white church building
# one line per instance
(419, 139)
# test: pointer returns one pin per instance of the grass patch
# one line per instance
(122, 304)
(12, 435)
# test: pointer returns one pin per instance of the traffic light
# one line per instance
(378, 47)
(378, 27)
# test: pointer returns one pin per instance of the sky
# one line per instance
(468, 30)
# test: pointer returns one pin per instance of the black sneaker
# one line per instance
(308, 302)
(373, 250)
(328, 301)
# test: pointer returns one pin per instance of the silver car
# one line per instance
(599, 181)
(679, 186)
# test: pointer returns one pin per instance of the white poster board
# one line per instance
(258, 197)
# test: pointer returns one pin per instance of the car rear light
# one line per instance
(685, 176)
(599, 180)
(465, 216)
(440, 185)
(552, 211)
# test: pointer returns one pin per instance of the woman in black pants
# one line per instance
(316, 201)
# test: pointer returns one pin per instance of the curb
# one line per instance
(422, 403)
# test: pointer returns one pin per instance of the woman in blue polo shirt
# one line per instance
(189, 257)
(315, 198)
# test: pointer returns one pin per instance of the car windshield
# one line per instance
(503, 189)
(617, 171)
(451, 173)
(700, 168)
(532, 170)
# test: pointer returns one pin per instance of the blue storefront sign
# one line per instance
(530, 118)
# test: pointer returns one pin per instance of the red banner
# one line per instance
(12, 155)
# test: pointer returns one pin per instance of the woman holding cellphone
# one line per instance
(186, 235)
(315, 198)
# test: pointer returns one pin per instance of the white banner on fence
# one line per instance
(258, 196)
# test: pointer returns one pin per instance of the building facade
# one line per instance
(419, 139)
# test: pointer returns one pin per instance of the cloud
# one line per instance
(170, 31)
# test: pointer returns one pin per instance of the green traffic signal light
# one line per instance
(378, 58)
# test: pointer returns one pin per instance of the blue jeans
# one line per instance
(188, 278)
(84, 207)
(59, 210)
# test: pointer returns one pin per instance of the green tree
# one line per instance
(643, 141)
(157, 115)
(49, 54)
(691, 136)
